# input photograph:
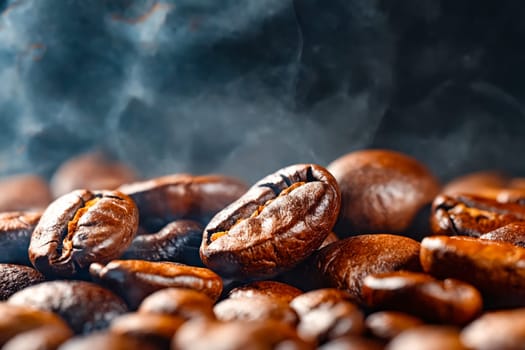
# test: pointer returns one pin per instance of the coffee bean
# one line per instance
(428, 338)
(179, 302)
(497, 330)
(136, 279)
(85, 306)
(472, 215)
(24, 192)
(271, 289)
(15, 233)
(496, 269)
(512, 233)
(351, 343)
(238, 335)
(42, 338)
(309, 301)
(106, 341)
(382, 191)
(278, 223)
(260, 308)
(449, 301)
(17, 319)
(17, 277)
(388, 324)
(80, 228)
(92, 171)
(182, 196)
(178, 241)
(477, 183)
(347, 262)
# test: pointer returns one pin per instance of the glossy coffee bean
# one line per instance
(271, 289)
(136, 279)
(17, 277)
(388, 324)
(497, 330)
(494, 268)
(382, 191)
(347, 262)
(178, 241)
(449, 301)
(24, 193)
(237, 335)
(92, 171)
(85, 306)
(16, 319)
(259, 308)
(512, 233)
(106, 341)
(15, 234)
(80, 228)
(472, 215)
(43, 338)
(428, 338)
(180, 302)
(351, 343)
(306, 302)
(182, 196)
(278, 223)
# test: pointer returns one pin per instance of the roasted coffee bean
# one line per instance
(179, 302)
(331, 238)
(496, 269)
(449, 301)
(151, 328)
(17, 277)
(85, 306)
(237, 335)
(382, 191)
(278, 223)
(512, 233)
(261, 308)
(347, 262)
(182, 196)
(388, 324)
(498, 330)
(43, 338)
(352, 343)
(92, 171)
(136, 279)
(428, 338)
(178, 241)
(24, 193)
(270, 289)
(15, 233)
(306, 302)
(80, 228)
(106, 341)
(472, 215)
(16, 319)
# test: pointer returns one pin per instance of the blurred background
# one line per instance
(246, 87)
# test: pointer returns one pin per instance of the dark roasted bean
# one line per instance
(178, 241)
(382, 191)
(512, 233)
(106, 341)
(85, 306)
(449, 301)
(23, 193)
(43, 338)
(80, 228)
(270, 289)
(17, 277)
(427, 338)
(15, 234)
(136, 279)
(180, 302)
(347, 262)
(388, 324)
(278, 223)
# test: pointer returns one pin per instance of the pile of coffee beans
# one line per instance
(369, 252)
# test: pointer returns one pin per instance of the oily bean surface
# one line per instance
(107, 341)
(496, 269)
(136, 279)
(17, 277)
(512, 233)
(388, 324)
(347, 262)
(472, 215)
(15, 234)
(180, 302)
(80, 228)
(428, 338)
(449, 301)
(352, 343)
(270, 289)
(306, 302)
(85, 306)
(178, 241)
(278, 223)
(43, 338)
(382, 191)
(24, 192)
